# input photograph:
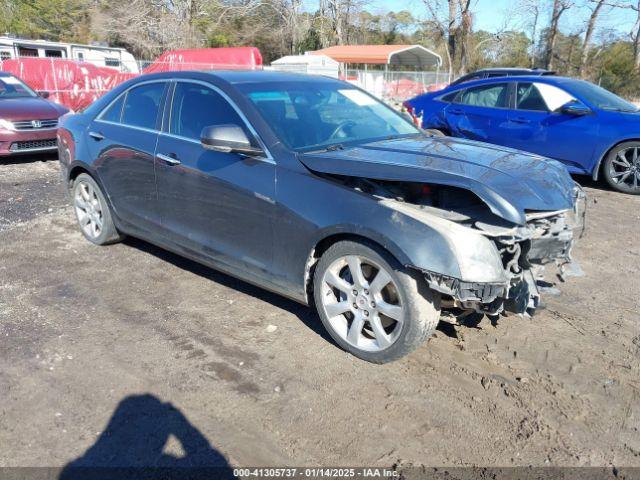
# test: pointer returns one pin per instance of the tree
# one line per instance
(452, 21)
(60, 20)
(635, 35)
(559, 7)
(529, 10)
(591, 24)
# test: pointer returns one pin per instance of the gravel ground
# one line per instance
(149, 358)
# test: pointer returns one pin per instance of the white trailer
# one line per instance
(311, 64)
(101, 56)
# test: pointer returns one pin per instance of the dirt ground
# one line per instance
(118, 354)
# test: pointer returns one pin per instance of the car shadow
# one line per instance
(22, 159)
(307, 315)
(134, 445)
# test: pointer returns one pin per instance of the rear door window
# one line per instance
(142, 105)
(490, 96)
(114, 112)
(449, 97)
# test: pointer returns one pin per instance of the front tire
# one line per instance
(92, 212)
(372, 306)
(621, 168)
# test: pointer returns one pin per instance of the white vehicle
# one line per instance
(101, 56)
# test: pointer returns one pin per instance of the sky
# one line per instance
(491, 15)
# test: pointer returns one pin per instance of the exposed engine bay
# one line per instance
(524, 250)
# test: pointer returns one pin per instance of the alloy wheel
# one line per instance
(362, 302)
(624, 169)
(89, 209)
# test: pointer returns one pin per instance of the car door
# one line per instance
(216, 204)
(123, 140)
(537, 125)
(480, 113)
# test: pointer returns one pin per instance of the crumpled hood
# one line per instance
(509, 181)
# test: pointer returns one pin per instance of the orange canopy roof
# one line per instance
(416, 55)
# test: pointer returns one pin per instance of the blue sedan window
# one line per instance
(599, 97)
(528, 97)
(492, 96)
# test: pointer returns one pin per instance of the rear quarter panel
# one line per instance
(432, 110)
(72, 148)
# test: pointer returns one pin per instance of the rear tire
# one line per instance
(381, 316)
(92, 212)
(621, 168)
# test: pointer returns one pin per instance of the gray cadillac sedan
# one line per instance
(310, 187)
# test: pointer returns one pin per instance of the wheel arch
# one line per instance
(77, 168)
(331, 237)
(596, 171)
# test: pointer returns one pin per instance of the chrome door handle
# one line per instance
(96, 136)
(168, 159)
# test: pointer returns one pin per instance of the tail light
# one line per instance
(408, 108)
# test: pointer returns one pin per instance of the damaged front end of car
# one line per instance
(491, 218)
(501, 264)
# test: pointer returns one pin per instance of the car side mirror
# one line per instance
(228, 138)
(43, 94)
(575, 109)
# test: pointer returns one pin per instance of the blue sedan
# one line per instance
(589, 129)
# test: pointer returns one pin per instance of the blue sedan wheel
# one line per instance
(622, 168)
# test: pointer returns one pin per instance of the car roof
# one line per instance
(520, 78)
(508, 69)
(240, 76)
(253, 76)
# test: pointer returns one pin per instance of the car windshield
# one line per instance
(600, 98)
(11, 87)
(312, 116)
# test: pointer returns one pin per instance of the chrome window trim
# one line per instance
(98, 117)
(141, 129)
(268, 157)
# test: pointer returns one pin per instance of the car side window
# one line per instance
(142, 105)
(528, 97)
(197, 106)
(114, 112)
(492, 96)
(541, 97)
(449, 97)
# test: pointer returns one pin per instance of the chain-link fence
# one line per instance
(77, 83)
(396, 86)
